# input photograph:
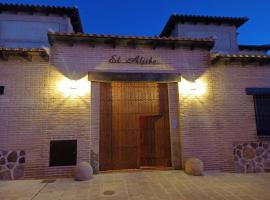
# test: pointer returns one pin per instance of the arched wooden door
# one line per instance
(134, 125)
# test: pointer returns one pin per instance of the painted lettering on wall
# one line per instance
(140, 60)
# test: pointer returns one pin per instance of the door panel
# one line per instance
(148, 141)
(155, 141)
(131, 114)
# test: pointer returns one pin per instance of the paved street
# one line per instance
(154, 185)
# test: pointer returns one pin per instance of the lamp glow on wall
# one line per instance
(194, 88)
(74, 88)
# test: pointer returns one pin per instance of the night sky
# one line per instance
(148, 17)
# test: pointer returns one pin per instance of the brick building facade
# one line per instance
(68, 97)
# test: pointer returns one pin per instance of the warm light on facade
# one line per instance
(74, 88)
(195, 88)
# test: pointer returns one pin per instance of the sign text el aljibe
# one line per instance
(140, 60)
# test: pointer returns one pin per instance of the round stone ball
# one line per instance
(83, 172)
(194, 166)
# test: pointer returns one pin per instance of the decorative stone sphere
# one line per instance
(194, 166)
(83, 172)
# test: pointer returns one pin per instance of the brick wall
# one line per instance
(235, 109)
(195, 132)
(33, 111)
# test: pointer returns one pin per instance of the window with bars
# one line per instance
(262, 111)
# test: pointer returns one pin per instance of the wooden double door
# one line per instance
(134, 125)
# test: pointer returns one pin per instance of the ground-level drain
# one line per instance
(48, 181)
(109, 192)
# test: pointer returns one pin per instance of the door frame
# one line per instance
(177, 150)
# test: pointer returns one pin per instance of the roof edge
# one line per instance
(182, 18)
(243, 58)
(131, 40)
(70, 11)
(265, 47)
(26, 53)
(23, 49)
(216, 55)
(208, 39)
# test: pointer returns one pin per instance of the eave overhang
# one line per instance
(240, 58)
(255, 47)
(134, 77)
(258, 91)
(132, 41)
(26, 53)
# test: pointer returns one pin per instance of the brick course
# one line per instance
(33, 111)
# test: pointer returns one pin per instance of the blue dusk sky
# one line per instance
(148, 17)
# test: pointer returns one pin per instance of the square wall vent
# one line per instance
(63, 153)
(2, 90)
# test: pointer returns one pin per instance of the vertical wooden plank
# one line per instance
(105, 126)
(175, 125)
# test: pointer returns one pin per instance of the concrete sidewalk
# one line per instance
(154, 185)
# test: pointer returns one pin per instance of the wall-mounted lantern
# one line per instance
(194, 88)
(74, 88)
